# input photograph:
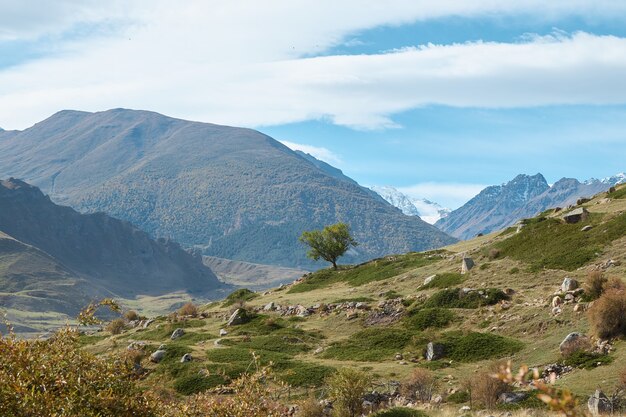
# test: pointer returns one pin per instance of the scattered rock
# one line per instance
(556, 301)
(429, 279)
(147, 323)
(223, 332)
(570, 340)
(465, 409)
(352, 315)
(318, 350)
(586, 228)
(576, 215)
(399, 356)
(269, 306)
(157, 356)
(466, 265)
(177, 333)
(239, 316)
(580, 307)
(186, 358)
(434, 351)
(556, 311)
(599, 404)
(569, 284)
(512, 397)
(569, 298)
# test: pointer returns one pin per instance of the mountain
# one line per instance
(53, 259)
(249, 275)
(500, 206)
(230, 192)
(491, 209)
(427, 210)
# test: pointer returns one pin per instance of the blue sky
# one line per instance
(436, 98)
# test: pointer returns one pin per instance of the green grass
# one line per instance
(240, 295)
(529, 403)
(620, 193)
(375, 345)
(474, 346)
(304, 374)
(586, 360)
(426, 318)
(445, 280)
(459, 397)
(400, 412)
(553, 244)
(192, 384)
(85, 340)
(376, 270)
(454, 298)
(165, 330)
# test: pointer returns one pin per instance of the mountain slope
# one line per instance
(497, 207)
(491, 208)
(427, 210)
(234, 193)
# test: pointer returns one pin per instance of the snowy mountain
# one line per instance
(428, 210)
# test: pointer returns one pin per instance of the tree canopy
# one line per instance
(329, 243)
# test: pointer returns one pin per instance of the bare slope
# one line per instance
(235, 193)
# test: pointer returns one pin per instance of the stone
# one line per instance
(223, 332)
(177, 333)
(238, 317)
(579, 308)
(556, 301)
(569, 298)
(318, 350)
(465, 409)
(512, 397)
(599, 404)
(576, 215)
(269, 306)
(399, 356)
(434, 351)
(157, 356)
(186, 358)
(437, 399)
(350, 315)
(586, 228)
(569, 284)
(147, 323)
(429, 279)
(570, 340)
(556, 310)
(466, 265)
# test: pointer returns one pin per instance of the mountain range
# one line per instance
(229, 192)
(427, 210)
(56, 260)
(499, 206)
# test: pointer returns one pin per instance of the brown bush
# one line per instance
(607, 315)
(494, 253)
(485, 388)
(133, 356)
(614, 283)
(310, 407)
(594, 284)
(131, 315)
(420, 385)
(188, 309)
(115, 326)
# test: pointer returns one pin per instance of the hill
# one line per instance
(525, 196)
(233, 193)
(55, 260)
(379, 317)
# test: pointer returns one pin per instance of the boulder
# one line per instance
(186, 358)
(512, 397)
(239, 316)
(429, 279)
(147, 323)
(435, 351)
(157, 356)
(466, 265)
(586, 228)
(569, 298)
(223, 332)
(350, 315)
(599, 404)
(570, 340)
(177, 333)
(269, 306)
(569, 284)
(576, 215)
(556, 301)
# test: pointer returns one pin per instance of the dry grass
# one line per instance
(607, 316)
(420, 385)
(131, 315)
(189, 309)
(485, 389)
(115, 326)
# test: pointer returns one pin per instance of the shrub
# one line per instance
(346, 389)
(455, 298)
(310, 407)
(239, 296)
(420, 385)
(607, 315)
(514, 270)
(400, 412)
(459, 397)
(494, 253)
(131, 315)
(374, 344)
(614, 283)
(189, 309)
(445, 280)
(436, 318)
(594, 285)
(485, 388)
(115, 326)
(473, 346)
(584, 359)
(193, 384)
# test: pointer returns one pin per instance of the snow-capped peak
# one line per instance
(429, 211)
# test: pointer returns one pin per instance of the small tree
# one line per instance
(330, 243)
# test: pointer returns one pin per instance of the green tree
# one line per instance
(329, 243)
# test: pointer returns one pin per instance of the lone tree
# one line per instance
(330, 243)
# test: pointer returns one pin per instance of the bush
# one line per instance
(420, 385)
(400, 412)
(473, 346)
(494, 253)
(193, 384)
(459, 397)
(310, 407)
(584, 359)
(239, 296)
(485, 388)
(445, 280)
(594, 285)
(189, 309)
(455, 298)
(435, 318)
(115, 326)
(374, 344)
(607, 315)
(131, 315)
(346, 389)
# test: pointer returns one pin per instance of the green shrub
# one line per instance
(192, 384)
(400, 412)
(374, 345)
(455, 298)
(514, 270)
(391, 295)
(305, 374)
(474, 346)
(445, 280)
(459, 397)
(239, 296)
(586, 360)
(423, 319)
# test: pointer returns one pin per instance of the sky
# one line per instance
(438, 99)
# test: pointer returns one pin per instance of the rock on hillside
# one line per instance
(108, 253)
(234, 193)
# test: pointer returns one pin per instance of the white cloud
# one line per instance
(452, 195)
(239, 63)
(318, 152)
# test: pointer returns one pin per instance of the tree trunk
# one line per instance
(334, 265)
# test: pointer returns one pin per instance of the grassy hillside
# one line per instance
(378, 317)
